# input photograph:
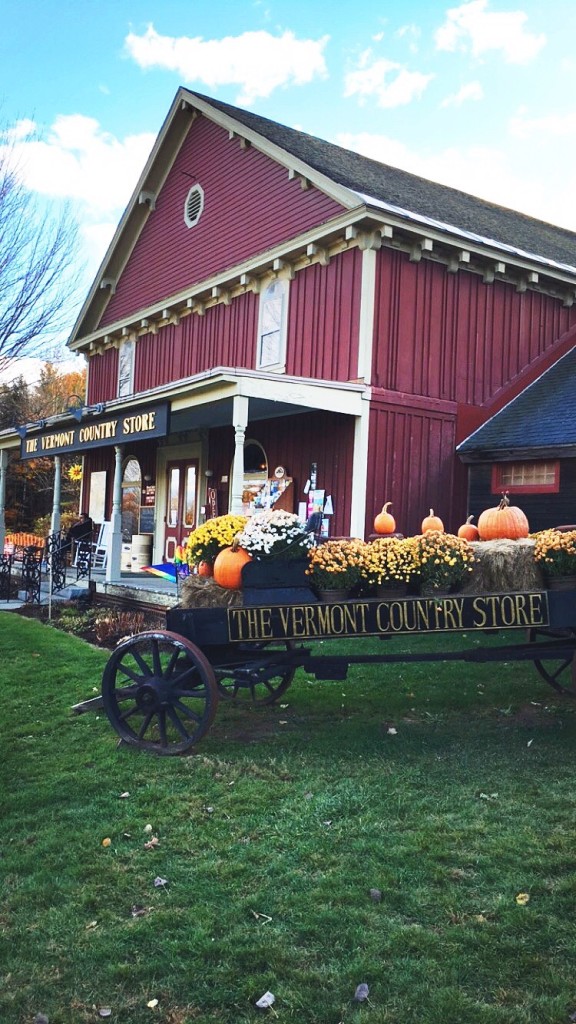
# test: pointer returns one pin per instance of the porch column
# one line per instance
(240, 421)
(3, 468)
(115, 547)
(55, 520)
(360, 472)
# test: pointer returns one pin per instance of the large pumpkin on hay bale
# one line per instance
(228, 566)
(504, 522)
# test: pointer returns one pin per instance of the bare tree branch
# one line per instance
(38, 252)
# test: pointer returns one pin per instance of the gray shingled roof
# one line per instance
(543, 417)
(410, 192)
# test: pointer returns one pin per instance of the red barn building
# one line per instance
(270, 300)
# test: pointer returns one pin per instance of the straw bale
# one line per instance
(203, 592)
(503, 565)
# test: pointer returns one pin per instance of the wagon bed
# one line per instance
(161, 688)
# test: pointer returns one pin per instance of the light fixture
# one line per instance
(208, 473)
(21, 431)
(77, 413)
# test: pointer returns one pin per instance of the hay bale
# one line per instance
(201, 592)
(503, 565)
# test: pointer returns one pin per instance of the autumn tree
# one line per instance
(29, 483)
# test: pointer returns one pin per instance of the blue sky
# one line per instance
(479, 95)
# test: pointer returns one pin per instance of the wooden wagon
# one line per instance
(161, 688)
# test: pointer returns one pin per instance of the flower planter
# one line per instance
(332, 596)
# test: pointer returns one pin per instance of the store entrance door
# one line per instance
(181, 487)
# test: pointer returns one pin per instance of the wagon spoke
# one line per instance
(178, 724)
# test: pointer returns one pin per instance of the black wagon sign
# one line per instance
(388, 618)
(98, 431)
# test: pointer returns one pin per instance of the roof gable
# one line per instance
(249, 205)
(351, 181)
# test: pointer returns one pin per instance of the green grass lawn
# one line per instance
(448, 788)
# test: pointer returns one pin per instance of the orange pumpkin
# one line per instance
(205, 569)
(432, 522)
(505, 522)
(228, 567)
(467, 531)
(384, 521)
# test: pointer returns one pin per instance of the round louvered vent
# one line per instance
(194, 205)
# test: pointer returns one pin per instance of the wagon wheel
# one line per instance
(559, 672)
(159, 692)
(252, 677)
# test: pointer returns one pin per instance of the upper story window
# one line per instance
(272, 327)
(126, 368)
(193, 206)
(526, 477)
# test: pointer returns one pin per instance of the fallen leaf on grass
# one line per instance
(160, 882)
(522, 899)
(138, 911)
(152, 843)
(375, 895)
(268, 999)
(153, 1003)
(123, 796)
(361, 993)
(147, 828)
(105, 1011)
(106, 842)
(392, 731)
(92, 924)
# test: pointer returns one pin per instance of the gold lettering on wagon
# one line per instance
(386, 618)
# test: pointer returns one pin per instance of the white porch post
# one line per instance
(3, 468)
(56, 499)
(115, 547)
(240, 421)
(360, 472)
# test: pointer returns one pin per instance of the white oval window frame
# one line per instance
(191, 200)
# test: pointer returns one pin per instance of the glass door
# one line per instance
(181, 490)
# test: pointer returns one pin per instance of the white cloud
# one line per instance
(551, 126)
(389, 82)
(257, 61)
(479, 170)
(472, 26)
(79, 161)
(76, 160)
(470, 91)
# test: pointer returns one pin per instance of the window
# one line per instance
(126, 368)
(131, 492)
(526, 477)
(272, 323)
(193, 206)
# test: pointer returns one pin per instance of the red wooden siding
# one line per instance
(294, 442)
(103, 377)
(324, 311)
(451, 336)
(249, 205)
(411, 464)
(223, 336)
